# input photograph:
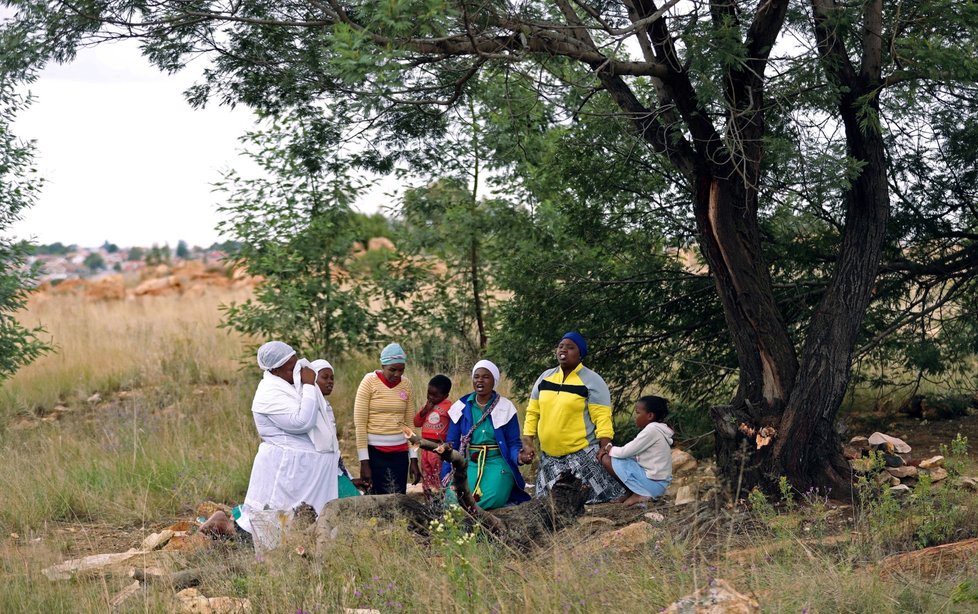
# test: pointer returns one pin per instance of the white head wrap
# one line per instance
(491, 368)
(319, 365)
(274, 354)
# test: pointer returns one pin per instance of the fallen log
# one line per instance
(929, 562)
(520, 526)
(177, 581)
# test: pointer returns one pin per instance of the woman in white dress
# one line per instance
(298, 458)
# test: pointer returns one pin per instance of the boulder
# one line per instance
(682, 462)
(936, 474)
(111, 288)
(899, 446)
(717, 598)
(377, 243)
(153, 287)
(932, 462)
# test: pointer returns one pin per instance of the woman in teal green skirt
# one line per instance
(484, 427)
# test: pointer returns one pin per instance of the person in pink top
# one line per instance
(433, 420)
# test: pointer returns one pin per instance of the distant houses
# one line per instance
(56, 262)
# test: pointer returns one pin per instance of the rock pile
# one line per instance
(691, 480)
(888, 460)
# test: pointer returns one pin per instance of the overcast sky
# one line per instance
(124, 157)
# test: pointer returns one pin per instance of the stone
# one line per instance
(682, 462)
(860, 443)
(906, 471)
(156, 540)
(851, 453)
(899, 445)
(893, 460)
(95, 398)
(629, 538)
(900, 491)
(894, 481)
(932, 462)
(937, 474)
(655, 517)
(192, 600)
(188, 543)
(685, 495)
(717, 598)
(969, 483)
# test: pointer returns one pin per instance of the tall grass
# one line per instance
(106, 346)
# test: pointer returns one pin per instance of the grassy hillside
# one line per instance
(144, 413)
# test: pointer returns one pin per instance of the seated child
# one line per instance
(644, 464)
(433, 420)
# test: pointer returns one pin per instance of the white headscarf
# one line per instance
(491, 368)
(323, 434)
(320, 364)
(274, 354)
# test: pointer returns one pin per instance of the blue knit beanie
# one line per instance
(578, 341)
(392, 354)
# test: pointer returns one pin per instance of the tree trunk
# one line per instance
(726, 213)
(799, 398)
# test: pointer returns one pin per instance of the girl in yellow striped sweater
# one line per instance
(384, 404)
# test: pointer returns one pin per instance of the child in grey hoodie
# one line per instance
(644, 464)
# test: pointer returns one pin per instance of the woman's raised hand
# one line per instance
(307, 376)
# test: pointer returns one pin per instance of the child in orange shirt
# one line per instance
(433, 420)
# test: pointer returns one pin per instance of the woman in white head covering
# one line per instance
(298, 458)
(484, 427)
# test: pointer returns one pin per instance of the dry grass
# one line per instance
(120, 345)
(173, 429)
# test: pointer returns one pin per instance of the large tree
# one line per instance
(735, 101)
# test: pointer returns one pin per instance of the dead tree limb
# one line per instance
(460, 479)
